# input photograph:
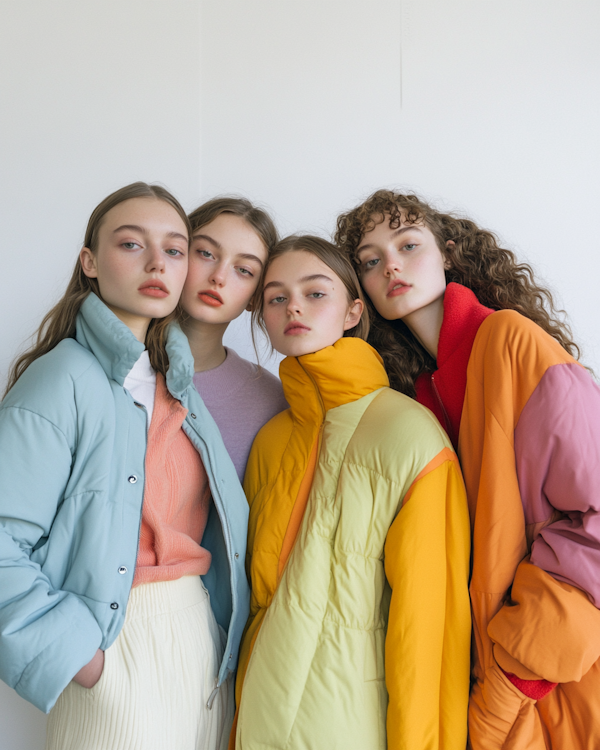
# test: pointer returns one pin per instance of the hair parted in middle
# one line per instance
(334, 259)
(258, 219)
(475, 260)
(59, 323)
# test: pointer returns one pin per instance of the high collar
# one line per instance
(117, 350)
(463, 314)
(336, 375)
(444, 390)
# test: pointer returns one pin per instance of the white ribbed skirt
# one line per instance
(158, 676)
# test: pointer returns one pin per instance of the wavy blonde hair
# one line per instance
(475, 260)
(59, 323)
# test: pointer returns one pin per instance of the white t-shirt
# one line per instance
(141, 383)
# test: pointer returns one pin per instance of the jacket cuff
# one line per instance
(534, 689)
(49, 673)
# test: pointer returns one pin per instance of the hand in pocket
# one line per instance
(89, 675)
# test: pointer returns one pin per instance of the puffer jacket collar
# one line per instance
(336, 375)
(444, 390)
(117, 350)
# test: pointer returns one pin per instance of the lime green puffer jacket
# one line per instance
(358, 552)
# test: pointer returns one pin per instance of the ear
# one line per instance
(450, 245)
(353, 315)
(88, 263)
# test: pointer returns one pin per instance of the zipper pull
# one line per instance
(211, 698)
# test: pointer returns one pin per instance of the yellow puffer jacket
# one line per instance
(358, 553)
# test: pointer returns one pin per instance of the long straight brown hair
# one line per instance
(258, 219)
(59, 323)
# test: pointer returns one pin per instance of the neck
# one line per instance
(206, 343)
(425, 324)
(136, 324)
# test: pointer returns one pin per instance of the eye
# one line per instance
(368, 264)
(173, 252)
(316, 295)
(277, 300)
(205, 253)
(245, 272)
(130, 245)
(410, 246)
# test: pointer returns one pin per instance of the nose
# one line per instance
(392, 264)
(156, 260)
(217, 275)
(294, 306)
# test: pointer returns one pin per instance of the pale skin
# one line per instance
(226, 260)
(402, 271)
(306, 305)
(141, 263)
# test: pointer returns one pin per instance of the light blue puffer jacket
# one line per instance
(72, 448)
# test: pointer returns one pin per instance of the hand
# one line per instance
(89, 675)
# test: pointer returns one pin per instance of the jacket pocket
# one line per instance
(374, 668)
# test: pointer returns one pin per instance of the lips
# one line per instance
(295, 328)
(397, 287)
(153, 288)
(211, 298)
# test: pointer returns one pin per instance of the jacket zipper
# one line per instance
(448, 424)
(227, 536)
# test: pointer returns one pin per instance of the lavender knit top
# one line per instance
(241, 398)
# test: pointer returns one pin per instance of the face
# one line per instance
(226, 259)
(402, 270)
(305, 304)
(140, 261)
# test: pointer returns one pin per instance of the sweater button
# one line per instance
(237, 554)
(132, 479)
(114, 605)
(193, 416)
(122, 570)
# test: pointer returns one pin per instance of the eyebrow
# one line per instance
(136, 228)
(208, 238)
(249, 256)
(396, 234)
(304, 279)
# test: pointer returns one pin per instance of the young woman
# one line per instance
(231, 240)
(358, 544)
(109, 461)
(466, 330)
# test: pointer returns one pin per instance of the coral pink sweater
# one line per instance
(176, 498)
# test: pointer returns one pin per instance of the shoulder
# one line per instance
(255, 377)
(509, 329)
(56, 385)
(267, 450)
(277, 429)
(397, 434)
(510, 355)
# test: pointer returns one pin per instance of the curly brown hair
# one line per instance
(475, 260)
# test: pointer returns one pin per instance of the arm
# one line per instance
(44, 631)
(429, 628)
(557, 449)
(552, 626)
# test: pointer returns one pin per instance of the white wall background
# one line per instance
(492, 109)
